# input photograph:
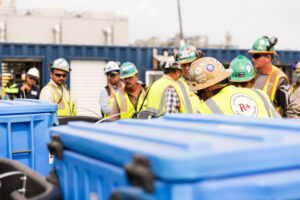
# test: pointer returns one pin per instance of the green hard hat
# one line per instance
(243, 70)
(264, 45)
(186, 54)
(128, 69)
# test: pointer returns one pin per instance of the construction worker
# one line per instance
(107, 95)
(178, 96)
(155, 97)
(296, 67)
(26, 90)
(210, 76)
(131, 99)
(56, 91)
(293, 110)
(269, 78)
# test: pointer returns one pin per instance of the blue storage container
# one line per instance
(179, 157)
(24, 132)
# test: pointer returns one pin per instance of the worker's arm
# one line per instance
(282, 95)
(104, 102)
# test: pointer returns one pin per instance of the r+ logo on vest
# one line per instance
(243, 105)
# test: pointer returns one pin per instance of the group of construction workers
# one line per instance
(54, 92)
(193, 83)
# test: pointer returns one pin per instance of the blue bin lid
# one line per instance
(187, 147)
(25, 106)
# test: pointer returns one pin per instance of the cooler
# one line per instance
(179, 157)
(24, 132)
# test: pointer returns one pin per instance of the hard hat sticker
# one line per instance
(198, 70)
(210, 67)
(243, 105)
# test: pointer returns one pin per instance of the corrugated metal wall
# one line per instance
(141, 56)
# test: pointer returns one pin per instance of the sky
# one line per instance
(244, 20)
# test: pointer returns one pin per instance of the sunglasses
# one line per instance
(112, 75)
(60, 75)
(31, 78)
(257, 56)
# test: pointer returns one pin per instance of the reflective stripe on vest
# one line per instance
(65, 107)
(111, 96)
(155, 98)
(223, 98)
(186, 97)
(273, 81)
(264, 100)
(126, 107)
(189, 102)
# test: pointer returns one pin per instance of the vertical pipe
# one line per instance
(180, 25)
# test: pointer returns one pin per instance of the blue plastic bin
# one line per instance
(180, 157)
(24, 132)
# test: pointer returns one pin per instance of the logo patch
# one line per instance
(198, 70)
(243, 105)
(210, 67)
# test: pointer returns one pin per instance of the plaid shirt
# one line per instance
(172, 100)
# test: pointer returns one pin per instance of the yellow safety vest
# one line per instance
(126, 107)
(242, 101)
(189, 102)
(65, 107)
(111, 96)
(271, 84)
(155, 98)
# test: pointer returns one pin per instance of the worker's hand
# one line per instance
(25, 87)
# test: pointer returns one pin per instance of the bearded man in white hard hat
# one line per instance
(114, 84)
(26, 90)
(56, 91)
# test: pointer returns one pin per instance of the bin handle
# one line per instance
(4, 175)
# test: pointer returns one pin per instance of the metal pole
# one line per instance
(180, 25)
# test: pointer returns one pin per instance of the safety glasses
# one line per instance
(32, 78)
(257, 55)
(60, 75)
(112, 75)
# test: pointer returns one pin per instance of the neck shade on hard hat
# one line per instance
(206, 72)
(243, 70)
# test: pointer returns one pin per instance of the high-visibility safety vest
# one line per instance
(189, 102)
(155, 98)
(126, 107)
(243, 102)
(111, 95)
(271, 84)
(65, 107)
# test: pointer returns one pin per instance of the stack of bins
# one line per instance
(24, 132)
(179, 157)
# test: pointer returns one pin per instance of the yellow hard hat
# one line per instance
(206, 72)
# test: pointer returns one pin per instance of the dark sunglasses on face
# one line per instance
(257, 56)
(112, 75)
(31, 78)
(60, 75)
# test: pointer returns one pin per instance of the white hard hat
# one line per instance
(111, 66)
(171, 63)
(33, 72)
(61, 64)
